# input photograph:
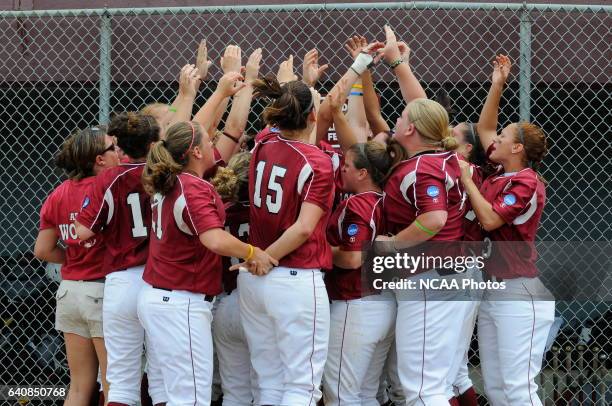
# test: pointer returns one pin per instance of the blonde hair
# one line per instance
(431, 121)
(232, 182)
(156, 110)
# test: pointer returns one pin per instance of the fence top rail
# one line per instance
(410, 5)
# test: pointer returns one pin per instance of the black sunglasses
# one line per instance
(111, 147)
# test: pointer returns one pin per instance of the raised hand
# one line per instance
(311, 71)
(285, 71)
(230, 84)
(251, 71)
(189, 81)
(501, 69)
(231, 61)
(391, 51)
(202, 62)
(404, 51)
(355, 44)
(336, 97)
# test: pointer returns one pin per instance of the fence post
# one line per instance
(525, 65)
(105, 67)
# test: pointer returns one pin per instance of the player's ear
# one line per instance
(197, 152)
(100, 161)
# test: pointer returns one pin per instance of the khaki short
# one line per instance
(79, 308)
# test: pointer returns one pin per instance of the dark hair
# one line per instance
(167, 158)
(534, 143)
(445, 101)
(374, 157)
(77, 156)
(397, 153)
(478, 156)
(232, 181)
(135, 132)
(292, 102)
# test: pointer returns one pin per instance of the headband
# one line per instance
(471, 134)
(192, 138)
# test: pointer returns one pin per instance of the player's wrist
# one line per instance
(250, 253)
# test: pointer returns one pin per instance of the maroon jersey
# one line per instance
(177, 259)
(426, 182)
(83, 259)
(473, 231)
(518, 198)
(237, 224)
(120, 208)
(284, 174)
(337, 158)
(211, 172)
(354, 222)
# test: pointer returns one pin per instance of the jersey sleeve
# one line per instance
(202, 213)
(97, 205)
(513, 201)
(47, 219)
(429, 191)
(318, 186)
(355, 229)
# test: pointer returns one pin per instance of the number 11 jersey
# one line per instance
(283, 174)
(121, 210)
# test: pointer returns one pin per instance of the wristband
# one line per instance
(362, 62)
(356, 94)
(251, 252)
(424, 229)
(231, 137)
(357, 86)
(395, 63)
(172, 109)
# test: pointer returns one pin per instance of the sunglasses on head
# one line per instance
(111, 147)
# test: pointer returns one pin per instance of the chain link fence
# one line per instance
(63, 70)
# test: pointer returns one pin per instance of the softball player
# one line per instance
(362, 330)
(84, 155)
(119, 209)
(237, 378)
(424, 201)
(285, 313)
(513, 323)
(183, 271)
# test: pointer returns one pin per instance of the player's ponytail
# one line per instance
(135, 132)
(232, 181)
(77, 156)
(291, 103)
(397, 153)
(167, 158)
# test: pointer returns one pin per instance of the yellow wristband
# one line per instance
(251, 252)
(357, 86)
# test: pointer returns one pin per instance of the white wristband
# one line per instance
(362, 62)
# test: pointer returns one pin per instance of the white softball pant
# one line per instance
(285, 315)
(428, 333)
(512, 335)
(178, 324)
(124, 338)
(361, 334)
(237, 376)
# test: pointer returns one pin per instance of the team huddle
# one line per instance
(224, 252)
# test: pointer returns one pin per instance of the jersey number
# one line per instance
(243, 231)
(139, 229)
(156, 206)
(273, 206)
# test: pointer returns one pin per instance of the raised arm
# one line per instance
(372, 106)
(311, 70)
(409, 85)
(189, 83)
(363, 61)
(355, 113)
(487, 123)
(238, 117)
(229, 84)
(344, 131)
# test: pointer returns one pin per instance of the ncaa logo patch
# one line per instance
(86, 202)
(509, 199)
(352, 230)
(433, 191)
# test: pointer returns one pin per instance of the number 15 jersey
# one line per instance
(284, 174)
(120, 208)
